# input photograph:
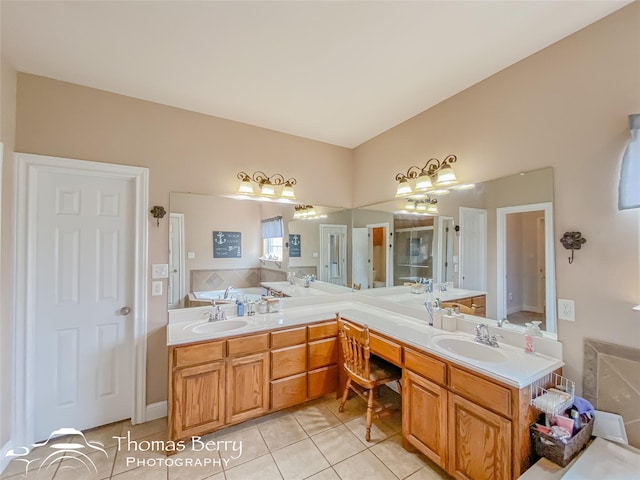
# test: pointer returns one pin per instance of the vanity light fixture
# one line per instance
(267, 185)
(436, 177)
(306, 212)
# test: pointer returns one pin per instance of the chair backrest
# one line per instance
(463, 308)
(355, 349)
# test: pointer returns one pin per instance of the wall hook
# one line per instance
(572, 241)
(158, 212)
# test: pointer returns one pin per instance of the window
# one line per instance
(272, 238)
(629, 188)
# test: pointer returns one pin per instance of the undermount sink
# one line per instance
(468, 348)
(219, 326)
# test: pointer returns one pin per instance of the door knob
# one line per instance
(125, 311)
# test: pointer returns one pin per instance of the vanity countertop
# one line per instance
(403, 294)
(518, 369)
(315, 288)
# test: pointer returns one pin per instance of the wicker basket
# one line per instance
(556, 450)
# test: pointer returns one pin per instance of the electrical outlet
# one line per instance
(156, 289)
(566, 310)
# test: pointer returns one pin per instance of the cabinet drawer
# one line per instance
(386, 349)
(480, 391)
(248, 344)
(288, 361)
(288, 391)
(323, 381)
(323, 330)
(323, 353)
(479, 301)
(428, 367)
(195, 354)
(286, 338)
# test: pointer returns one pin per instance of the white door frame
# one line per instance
(181, 242)
(26, 182)
(501, 257)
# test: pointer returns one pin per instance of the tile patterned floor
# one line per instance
(312, 441)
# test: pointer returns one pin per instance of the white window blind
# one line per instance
(629, 187)
(272, 228)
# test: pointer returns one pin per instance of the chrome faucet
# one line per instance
(501, 323)
(226, 292)
(429, 306)
(482, 336)
(219, 314)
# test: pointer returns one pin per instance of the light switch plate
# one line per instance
(191, 255)
(159, 270)
(566, 310)
(156, 289)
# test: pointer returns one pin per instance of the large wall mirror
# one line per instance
(496, 238)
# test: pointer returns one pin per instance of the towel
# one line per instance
(583, 406)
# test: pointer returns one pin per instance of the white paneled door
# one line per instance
(83, 293)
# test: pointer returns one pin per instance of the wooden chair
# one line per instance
(463, 308)
(365, 370)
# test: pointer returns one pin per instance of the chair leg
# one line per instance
(369, 414)
(345, 394)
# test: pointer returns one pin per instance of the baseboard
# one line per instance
(156, 410)
(515, 309)
(532, 308)
(4, 460)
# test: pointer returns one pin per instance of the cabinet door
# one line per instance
(479, 442)
(424, 418)
(198, 399)
(247, 387)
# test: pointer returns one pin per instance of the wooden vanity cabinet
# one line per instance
(197, 394)
(479, 301)
(460, 420)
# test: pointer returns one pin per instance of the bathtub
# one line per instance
(196, 299)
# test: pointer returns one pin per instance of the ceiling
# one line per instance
(339, 72)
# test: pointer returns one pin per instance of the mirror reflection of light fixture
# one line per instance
(267, 185)
(422, 206)
(306, 212)
(435, 177)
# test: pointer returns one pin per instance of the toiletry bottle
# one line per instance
(240, 309)
(529, 346)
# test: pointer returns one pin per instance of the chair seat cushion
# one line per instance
(382, 370)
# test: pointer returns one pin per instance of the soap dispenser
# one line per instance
(529, 346)
(535, 328)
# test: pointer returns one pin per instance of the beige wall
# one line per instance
(7, 137)
(202, 215)
(185, 151)
(564, 107)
